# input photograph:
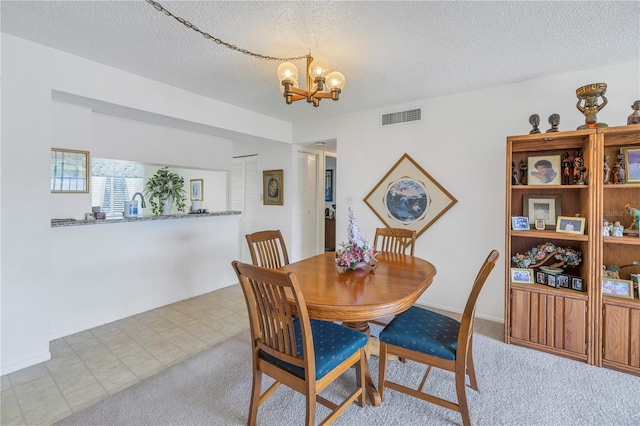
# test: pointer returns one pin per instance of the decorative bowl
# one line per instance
(590, 90)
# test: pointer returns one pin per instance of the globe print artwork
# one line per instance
(406, 200)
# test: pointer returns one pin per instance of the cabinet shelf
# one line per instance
(540, 288)
(621, 302)
(632, 241)
(550, 235)
(553, 187)
(621, 186)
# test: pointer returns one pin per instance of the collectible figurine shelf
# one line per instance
(591, 325)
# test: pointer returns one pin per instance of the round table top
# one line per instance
(353, 296)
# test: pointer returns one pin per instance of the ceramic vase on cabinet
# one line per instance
(166, 206)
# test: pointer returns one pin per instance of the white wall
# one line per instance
(102, 273)
(461, 143)
(31, 73)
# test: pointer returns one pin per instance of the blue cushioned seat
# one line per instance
(332, 344)
(431, 339)
(423, 331)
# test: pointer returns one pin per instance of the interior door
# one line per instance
(305, 212)
(245, 197)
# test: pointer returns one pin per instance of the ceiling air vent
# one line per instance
(401, 117)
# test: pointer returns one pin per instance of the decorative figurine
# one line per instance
(534, 120)
(566, 169)
(582, 175)
(554, 120)
(606, 228)
(634, 118)
(578, 162)
(636, 217)
(606, 170)
(617, 229)
(523, 172)
(620, 170)
(589, 94)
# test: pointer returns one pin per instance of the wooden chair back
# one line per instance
(270, 315)
(468, 315)
(277, 312)
(395, 240)
(268, 249)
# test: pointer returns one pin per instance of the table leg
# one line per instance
(372, 391)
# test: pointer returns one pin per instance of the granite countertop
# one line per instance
(57, 223)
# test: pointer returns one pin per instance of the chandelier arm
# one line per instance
(208, 36)
(323, 95)
(299, 91)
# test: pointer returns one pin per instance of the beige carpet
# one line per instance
(518, 386)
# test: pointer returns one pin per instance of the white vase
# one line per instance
(166, 206)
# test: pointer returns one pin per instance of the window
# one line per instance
(113, 182)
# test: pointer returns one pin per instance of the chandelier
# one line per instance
(321, 83)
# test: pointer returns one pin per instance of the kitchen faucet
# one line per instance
(142, 204)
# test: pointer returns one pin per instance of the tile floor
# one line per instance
(89, 366)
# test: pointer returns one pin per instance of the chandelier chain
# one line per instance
(208, 36)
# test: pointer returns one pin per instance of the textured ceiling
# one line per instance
(390, 52)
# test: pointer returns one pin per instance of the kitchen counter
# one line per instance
(57, 223)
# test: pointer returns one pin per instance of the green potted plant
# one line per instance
(165, 187)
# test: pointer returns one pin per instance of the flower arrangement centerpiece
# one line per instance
(357, 253)
(164, 188)
(537, 256)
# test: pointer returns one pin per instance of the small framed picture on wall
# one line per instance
(272, 187)
(197, 188)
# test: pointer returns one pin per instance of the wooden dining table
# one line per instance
(357, 297)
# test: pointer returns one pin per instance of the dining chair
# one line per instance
(393, 240)
(438, 341)
(306, 355)
(268, 249)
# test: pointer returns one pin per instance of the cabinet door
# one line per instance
(554, 321)
(621, 336)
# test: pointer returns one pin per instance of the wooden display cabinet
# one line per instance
(619, 334)
(603, 330)
(555, 320)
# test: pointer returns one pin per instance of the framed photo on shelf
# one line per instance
(547, 207)
(522, 275)
(632, 159)
(577, 284)
(541, 277)
(540, 224)
(197, 188)
(272, 187)
(617, 288)
(543, 170)
(552, 281)
(519, 223)
(563, 281)
(571, 225)
(635, 278)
